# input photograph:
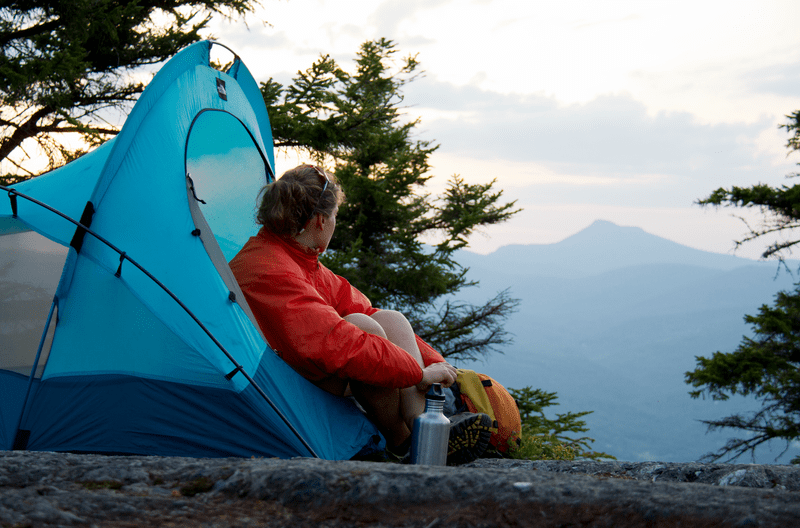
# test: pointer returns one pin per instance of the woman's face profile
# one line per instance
(328, 227)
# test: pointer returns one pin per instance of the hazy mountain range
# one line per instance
(611, 318)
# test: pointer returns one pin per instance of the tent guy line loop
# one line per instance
(118, 274)
(13, 193)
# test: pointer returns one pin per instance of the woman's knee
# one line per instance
(399, 331)
(392, 319)
(366, 323)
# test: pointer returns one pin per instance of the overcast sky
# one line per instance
(627, 111)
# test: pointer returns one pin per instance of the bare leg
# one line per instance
(398, 331)
(392, 410)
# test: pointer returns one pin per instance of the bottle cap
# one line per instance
(435, 392)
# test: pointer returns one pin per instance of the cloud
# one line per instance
(610, 134)
(390, 15)
(778, 79)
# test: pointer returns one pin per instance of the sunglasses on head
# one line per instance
(324, 176)
(320, 172)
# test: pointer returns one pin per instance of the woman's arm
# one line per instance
(312, 337)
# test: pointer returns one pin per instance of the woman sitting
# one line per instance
(327, 330)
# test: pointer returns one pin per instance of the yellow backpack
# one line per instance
(478, 393)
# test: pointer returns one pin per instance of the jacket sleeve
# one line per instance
(312, 337)
(346, 298)
(429, 354)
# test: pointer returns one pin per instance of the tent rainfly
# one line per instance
(122, 330)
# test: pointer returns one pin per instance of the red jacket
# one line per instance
(299, 305)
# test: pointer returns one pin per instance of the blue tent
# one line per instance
(127, 333)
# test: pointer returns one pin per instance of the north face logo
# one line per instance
(223, 94)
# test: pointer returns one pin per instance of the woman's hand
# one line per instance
(443, 373)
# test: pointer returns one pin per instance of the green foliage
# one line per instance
(766, 365)
(355, 121)
(543, 447)
(779, 205)
(546, 439)
(66, 66)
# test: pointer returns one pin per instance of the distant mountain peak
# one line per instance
(600, 247)
(606, 225)
(604, 233)
(601, 223)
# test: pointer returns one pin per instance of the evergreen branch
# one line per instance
(26, 33)
(24, 131)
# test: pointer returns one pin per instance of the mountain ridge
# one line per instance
(601, 247)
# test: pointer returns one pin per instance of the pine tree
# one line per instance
(66, 68)
(766, 365)
(355, 121)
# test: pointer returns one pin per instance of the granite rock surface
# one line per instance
(59, 489)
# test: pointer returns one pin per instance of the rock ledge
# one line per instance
(58, 489)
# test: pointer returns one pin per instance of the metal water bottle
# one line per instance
(431, 431)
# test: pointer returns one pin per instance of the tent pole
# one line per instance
(33, 372)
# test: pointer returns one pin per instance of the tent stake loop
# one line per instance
(12, 195)
(118, 274)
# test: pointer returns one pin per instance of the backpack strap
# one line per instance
(472, 386)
